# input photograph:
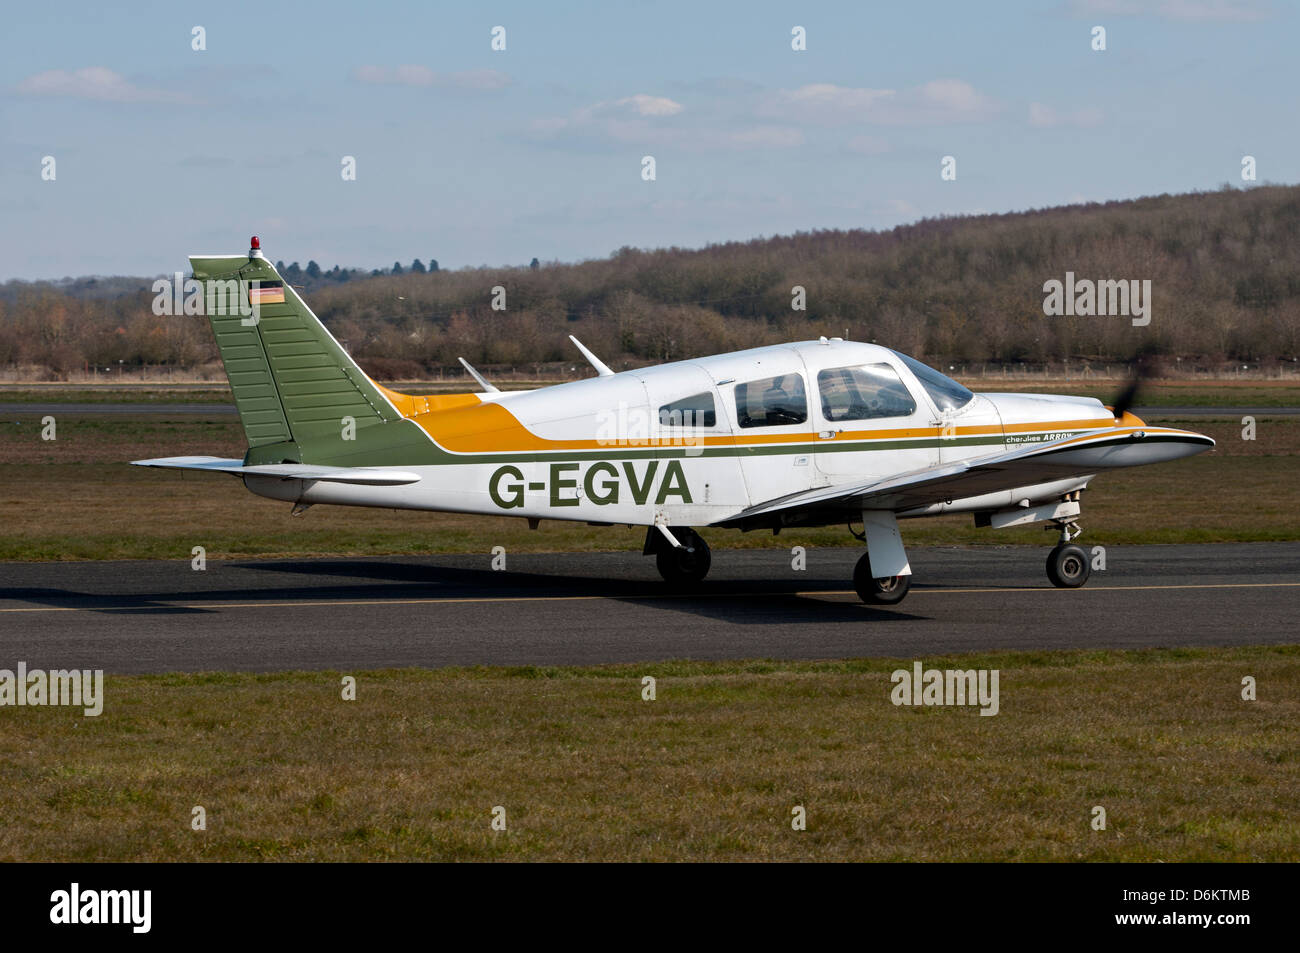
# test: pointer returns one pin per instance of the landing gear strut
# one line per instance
(683, 565)
(885, 591)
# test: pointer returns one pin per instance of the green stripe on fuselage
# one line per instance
(397, 445)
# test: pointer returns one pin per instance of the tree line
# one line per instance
(1222, 265)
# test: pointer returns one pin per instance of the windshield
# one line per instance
(946, 393)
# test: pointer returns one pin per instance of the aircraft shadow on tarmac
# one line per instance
(726, 600)
(749, 601)
(98, 602)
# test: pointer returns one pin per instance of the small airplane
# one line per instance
(813, 433)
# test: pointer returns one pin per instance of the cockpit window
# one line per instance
(946, 393)
(694, 411)
(863, 393)
(772, 402)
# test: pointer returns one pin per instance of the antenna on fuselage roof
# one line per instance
(592, 359)
(482, 381)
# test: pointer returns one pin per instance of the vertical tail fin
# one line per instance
(293, 384)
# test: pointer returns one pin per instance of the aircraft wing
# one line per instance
(366, 476)
(1023, 466)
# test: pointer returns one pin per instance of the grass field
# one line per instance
(586, 770)
(75, 498)
(710, 770)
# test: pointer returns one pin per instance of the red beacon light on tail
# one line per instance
(254, 247)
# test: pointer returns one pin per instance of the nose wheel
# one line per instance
(880, 591)
(1068, 566)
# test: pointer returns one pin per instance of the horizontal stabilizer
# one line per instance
(365, 476)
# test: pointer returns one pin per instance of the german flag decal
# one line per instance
(266, 292)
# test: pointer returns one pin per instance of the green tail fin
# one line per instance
(294, 386)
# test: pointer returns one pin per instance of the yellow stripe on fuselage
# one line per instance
(463, 423)
(414, 405)
(491, 428)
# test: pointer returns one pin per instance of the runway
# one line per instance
(570, 609)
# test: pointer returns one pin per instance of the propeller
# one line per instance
(1144, 366)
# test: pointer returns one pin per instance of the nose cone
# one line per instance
(1176, 443)
(1179, 443)
(1145, 445)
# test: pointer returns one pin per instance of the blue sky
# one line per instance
(482, 157)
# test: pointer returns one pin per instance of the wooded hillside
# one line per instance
(1224, 268)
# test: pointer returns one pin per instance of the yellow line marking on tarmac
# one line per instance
(1207, 585)
(634, 597)
(319, 602)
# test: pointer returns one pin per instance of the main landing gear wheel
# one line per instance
(1068, 566)
(885, 591)
(686, 566)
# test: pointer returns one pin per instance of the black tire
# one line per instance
(684, 567)
(886, 591)
(1068, 566)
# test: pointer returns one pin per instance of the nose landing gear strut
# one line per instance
(1068, 565)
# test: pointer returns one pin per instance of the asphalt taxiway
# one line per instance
(569, 609)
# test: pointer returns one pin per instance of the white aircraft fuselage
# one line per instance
(803, 434)
(598, 449)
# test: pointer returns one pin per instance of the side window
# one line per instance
(772, 402)
(694, 411)
(863, 393)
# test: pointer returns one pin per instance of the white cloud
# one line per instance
(608, 123)
(829, 98)
(95, 83)
(639, 132)
(649, 121)
(1045, 117)
(1040, 115)
(1203, 10)
(900, 208)
(938, 101)
(479, 79)
(422, 76)
(628, 119)
(640, 106)
(1240, 10)
(950, 94)
(644, 105)
(394, 75)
